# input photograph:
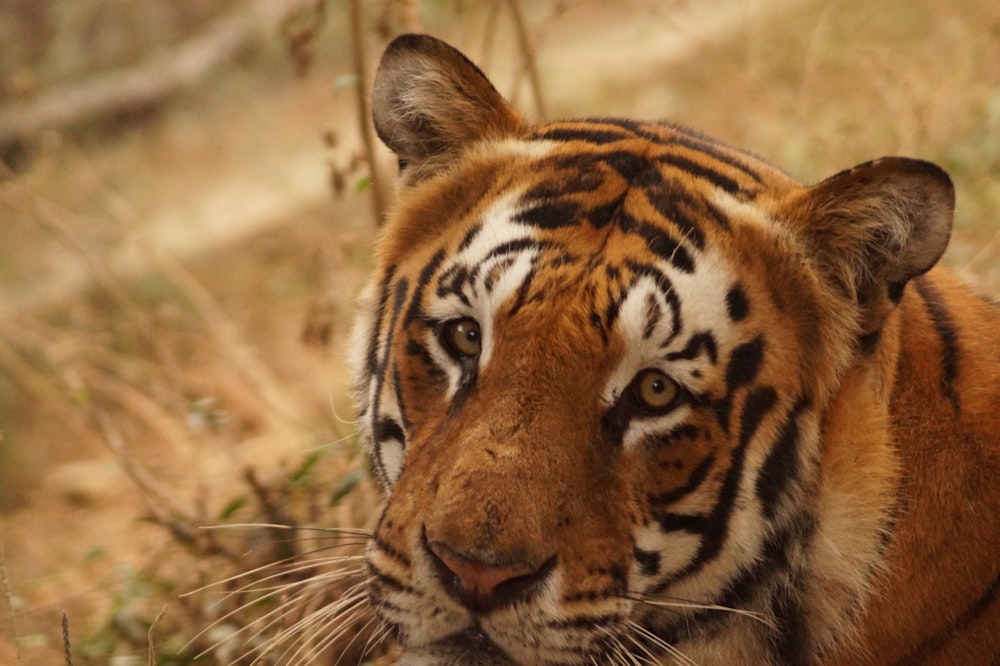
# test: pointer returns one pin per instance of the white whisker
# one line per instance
(692, 605)
(662, 644)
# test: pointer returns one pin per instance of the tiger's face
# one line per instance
(592, 369)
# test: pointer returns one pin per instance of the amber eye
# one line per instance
(462, 338)
(655, 391)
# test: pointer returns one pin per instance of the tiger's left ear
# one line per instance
(429, 102)
(875, 227)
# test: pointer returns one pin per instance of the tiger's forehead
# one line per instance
(589, 207)
(576, 176)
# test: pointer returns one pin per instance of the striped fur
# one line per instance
(813, 488)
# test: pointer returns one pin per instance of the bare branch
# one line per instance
(149, 82)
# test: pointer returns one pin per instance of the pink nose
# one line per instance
(480, 585)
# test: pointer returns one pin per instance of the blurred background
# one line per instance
(187, 199)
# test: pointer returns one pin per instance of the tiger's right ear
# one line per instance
(429, 102)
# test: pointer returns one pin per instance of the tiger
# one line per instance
(636, 396)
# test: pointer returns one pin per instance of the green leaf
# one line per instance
(348, 80)
(299, 476)
(363, 183)
(346, 485)
(234, 505)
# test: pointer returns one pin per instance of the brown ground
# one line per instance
(233, 182)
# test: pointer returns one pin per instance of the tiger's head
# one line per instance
(613, 376)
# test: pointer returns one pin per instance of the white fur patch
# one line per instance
(702, 307)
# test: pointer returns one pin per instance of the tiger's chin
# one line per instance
(470, 647)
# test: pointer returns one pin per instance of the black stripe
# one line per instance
(683, 522)
(769, 574)
(589, 134)
(737, 306)
(699, 171)
(397, 387)
(371, 355)
(758, 403)
(550, 214)
(639, 129)
(581, 178)
(453, 281)
(697, 477)
(628, 165)
(675, 204)
(781, 467)
(659, 242)
(704, 144)
(715, 214)
(402, 287)
(666, 289)
(653, 315)
(601, 216)
(419, 351)
(791, 646)
(648, 561)
(868, 342)
(945, 328)
(389, 581)
(388, 429)
(387, 550)
(698, 344)
(470, 236)
(744, 364)
(413, 312)
(522, 290)
(934, 645)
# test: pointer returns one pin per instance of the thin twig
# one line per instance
(149, 636)
(358, 60)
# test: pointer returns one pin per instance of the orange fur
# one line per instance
(827, 471)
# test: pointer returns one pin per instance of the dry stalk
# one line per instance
(24, 373)
(528, 56)
(67, 652)
(228, 336)
(146, 482)
(51, 217)
(149, 636)
(8, 595)
(148, 410)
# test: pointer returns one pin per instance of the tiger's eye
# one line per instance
(656, 391)
(463, 338)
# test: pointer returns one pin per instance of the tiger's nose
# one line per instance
(484, 586)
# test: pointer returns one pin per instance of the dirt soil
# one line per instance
(234, 184)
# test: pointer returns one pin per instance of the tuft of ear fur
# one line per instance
(875, 227)
(429, 102)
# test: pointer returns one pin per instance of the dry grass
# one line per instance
(177, 393)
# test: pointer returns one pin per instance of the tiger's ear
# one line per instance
(877, 226)
(429, 102)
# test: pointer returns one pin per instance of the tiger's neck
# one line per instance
(905, 498)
